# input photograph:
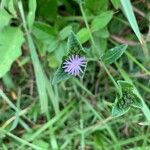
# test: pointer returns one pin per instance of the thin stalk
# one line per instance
(95, 48)
(111, 77)
(53, 140)
(82, 127)
(18, 139)
(139, 64)
(86, 23)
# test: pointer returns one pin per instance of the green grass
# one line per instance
(75, 114)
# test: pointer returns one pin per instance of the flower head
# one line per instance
(74, 65)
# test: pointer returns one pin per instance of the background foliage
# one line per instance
(107, 108)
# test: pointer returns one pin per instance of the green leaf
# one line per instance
(4, 18)
(11, 40)
(120, 108)
(31, 14)
(113, 54)
(44, 30)
(83, 35)
(60, 75)
(47, 9)
(74, 46)
(101, 21)
(127, 6)
(64, 33)
(45, 37)
(96, 6)
(41, 143)
(61, 51)
(9, 5)
(116, 3)
(52, 61)
(129, 92)
(127, 98)
(102, 33)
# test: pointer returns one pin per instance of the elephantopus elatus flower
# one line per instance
(74, 65)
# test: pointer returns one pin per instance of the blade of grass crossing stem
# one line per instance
(22, 141)
(39, 73)
(137, 62)
(8, 101)
(21, 113)
(67, 110)
(81, 127)
(145, 108)
(95, 113)
(16, 121)
(53, 120)
(17, 110)
(53, 140)
(127, 6)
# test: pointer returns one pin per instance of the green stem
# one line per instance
(139, 64)
(95, 47)
(111, 77)
(87, 25)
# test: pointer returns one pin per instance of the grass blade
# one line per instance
(127, 6)
(21, 140)
(38, 70)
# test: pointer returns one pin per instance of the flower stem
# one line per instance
(86, 23)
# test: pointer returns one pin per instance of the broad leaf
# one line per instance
(60, 75)
(127, 99)
(64, 33)
(120, 107)
(45, 36)
(4, 18)
(101, 21)
(129, 92)
(96, 6)
(83, 35)
(113, 54)
(11, 40)
(11, 7)
(47, 9)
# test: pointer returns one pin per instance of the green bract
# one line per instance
(74, 48)
(127, 98)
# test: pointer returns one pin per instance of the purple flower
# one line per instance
(74, 65)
